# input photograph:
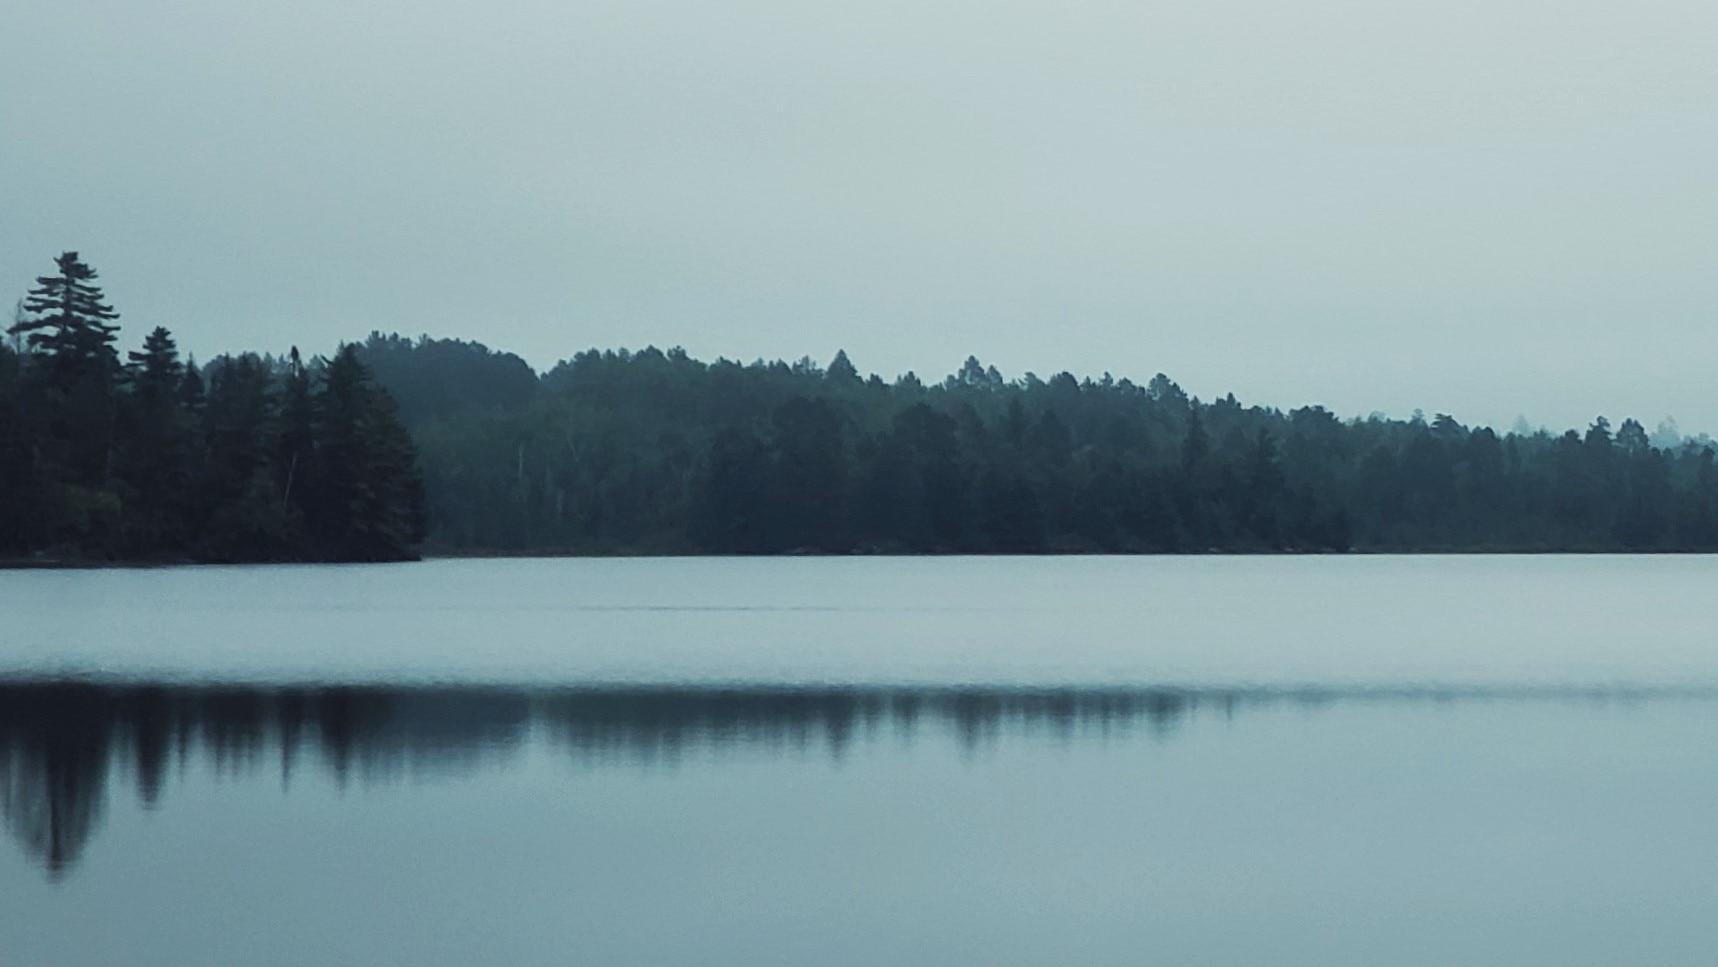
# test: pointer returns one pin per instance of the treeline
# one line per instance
(247, 458)
(654, 451)
(261, 458)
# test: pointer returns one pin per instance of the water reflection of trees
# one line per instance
(63, 743)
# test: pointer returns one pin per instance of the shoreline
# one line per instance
(77, 564)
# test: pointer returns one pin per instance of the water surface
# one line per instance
(997, 620)
(862, 761)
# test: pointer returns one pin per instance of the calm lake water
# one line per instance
(1337, 760)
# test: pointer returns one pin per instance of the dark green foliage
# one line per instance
(247, 459)
(69, 324)
(732, 510)
(20, 491)
(368, 500)
(157, 436)
(809, 476)
(436, 378)
(841, 369)
(256, 458)
(658, 452)
(655, 451)
(65, 329)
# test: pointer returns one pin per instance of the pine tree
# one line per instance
(841, 369)
(397, 520)
(66, 331)
(71, 324)
(371, 501)
(155, 373)
(155, 448)
(192, 393)
(1195, 445)
(239, 488)
(297, 433)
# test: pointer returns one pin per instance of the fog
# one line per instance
(1453, 206)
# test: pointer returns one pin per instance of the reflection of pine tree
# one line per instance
(149, 717)
(53, 771)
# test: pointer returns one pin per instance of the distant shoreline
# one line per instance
(69, 564)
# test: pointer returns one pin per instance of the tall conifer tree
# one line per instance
(66, 329)
(69, 323)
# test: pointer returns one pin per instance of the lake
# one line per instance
(789, 761)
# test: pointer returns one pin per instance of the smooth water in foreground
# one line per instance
(1358, 760)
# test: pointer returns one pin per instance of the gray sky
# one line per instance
(1484, 208)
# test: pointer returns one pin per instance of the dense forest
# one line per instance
(656, 451)
(247, 458)
(395, 443)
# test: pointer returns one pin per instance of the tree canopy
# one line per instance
(394, 441)
(620, 451)
(248, 458)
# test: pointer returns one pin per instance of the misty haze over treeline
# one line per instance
(396, 441)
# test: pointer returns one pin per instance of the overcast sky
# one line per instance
(1483, 208)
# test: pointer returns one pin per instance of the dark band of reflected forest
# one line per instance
(63, 741)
